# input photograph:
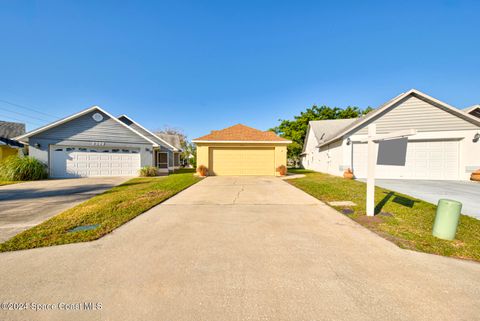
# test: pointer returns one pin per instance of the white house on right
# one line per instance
(446, 146)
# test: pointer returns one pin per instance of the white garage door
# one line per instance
(72, 161)
(425, 160)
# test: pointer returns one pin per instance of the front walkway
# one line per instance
(241, 248)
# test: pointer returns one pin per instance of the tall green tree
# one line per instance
(296, 129)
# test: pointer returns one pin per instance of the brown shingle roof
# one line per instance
(241, 132)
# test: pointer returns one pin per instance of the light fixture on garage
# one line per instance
(37, 145)
(476, 137)
(349, 141)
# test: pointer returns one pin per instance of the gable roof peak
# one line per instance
(239, 125)
(384, 107)
(473, 110)
(473, 107)
(24, 137)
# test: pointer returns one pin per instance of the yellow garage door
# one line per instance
(242, 161)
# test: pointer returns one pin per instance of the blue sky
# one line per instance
(206, 65)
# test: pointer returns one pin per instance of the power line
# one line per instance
(22, 114)
(28, 108)
(19, 120)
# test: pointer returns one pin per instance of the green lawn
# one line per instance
(411, 220)
(110, 210)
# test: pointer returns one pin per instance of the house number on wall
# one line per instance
(98, 143)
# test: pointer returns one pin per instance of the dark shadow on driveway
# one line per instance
(26, 194)
(27, 204)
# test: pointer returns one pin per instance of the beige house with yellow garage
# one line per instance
(242, 150)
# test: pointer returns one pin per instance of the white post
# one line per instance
(372, 131)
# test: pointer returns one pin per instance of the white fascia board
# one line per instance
(368, 117)
(244, 141)
(55, 123)
(471, 108)
(454, 110)
(151, 133)
(83, 112)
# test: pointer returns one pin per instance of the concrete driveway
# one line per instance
(240, 248)
(431, 191)
(27, 204)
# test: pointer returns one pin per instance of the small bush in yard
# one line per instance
(202, 170)
(282, 170)
(15, 168)
(149, 171)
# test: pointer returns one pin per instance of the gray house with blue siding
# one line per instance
(95, 143)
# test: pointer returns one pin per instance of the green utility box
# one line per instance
(446, 219)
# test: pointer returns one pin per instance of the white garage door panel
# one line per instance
(424, 160)
(71, 161)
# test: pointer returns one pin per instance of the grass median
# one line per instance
(402, 219)
(105, 212)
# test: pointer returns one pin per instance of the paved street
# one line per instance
(241, 248)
